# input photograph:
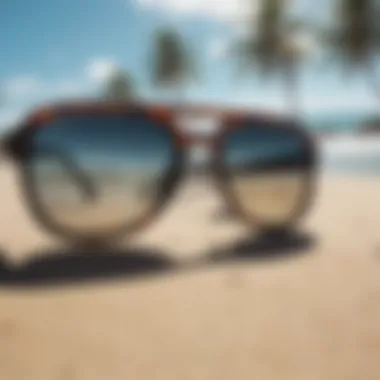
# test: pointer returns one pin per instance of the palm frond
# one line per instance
(356, 32)
(266, 48)
(172, 63)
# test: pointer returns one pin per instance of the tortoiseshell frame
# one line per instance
(18, 143)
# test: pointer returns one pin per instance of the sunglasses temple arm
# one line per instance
(85, 184)
(3, 150)
(82, 180)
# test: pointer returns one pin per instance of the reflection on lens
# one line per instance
(96, 174)
(269, 169)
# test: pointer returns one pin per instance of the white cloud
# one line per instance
(222, 10)
(22, 86)
(100, 69)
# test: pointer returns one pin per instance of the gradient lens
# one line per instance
(94, 174)
(269, 168)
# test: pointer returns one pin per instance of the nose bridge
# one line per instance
(198, 131)
(200, 150)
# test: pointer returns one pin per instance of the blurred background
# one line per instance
(224, 305)
(318, 61)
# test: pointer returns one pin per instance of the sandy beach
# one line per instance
(195, 296)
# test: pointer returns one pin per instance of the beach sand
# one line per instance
(243, 312)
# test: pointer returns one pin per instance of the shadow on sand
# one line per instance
(78, 265)
(266, 247)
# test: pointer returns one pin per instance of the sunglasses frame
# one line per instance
(224, 178)
(17, 145)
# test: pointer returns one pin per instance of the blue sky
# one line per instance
(53, 49)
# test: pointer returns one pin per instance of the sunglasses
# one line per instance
(95, 172)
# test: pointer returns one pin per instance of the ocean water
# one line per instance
(340, 122)
(349, 154)
(344, 151)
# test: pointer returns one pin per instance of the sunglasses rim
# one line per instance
(170, 181)
(18, 142)
(223, 177)
(165, 114)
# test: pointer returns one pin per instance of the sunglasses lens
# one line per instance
(269, 170)
(95, 174)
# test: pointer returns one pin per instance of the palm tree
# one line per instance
(172, 66)
(171, 63)
(271, 47)
(355, 39)
(119, 86)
